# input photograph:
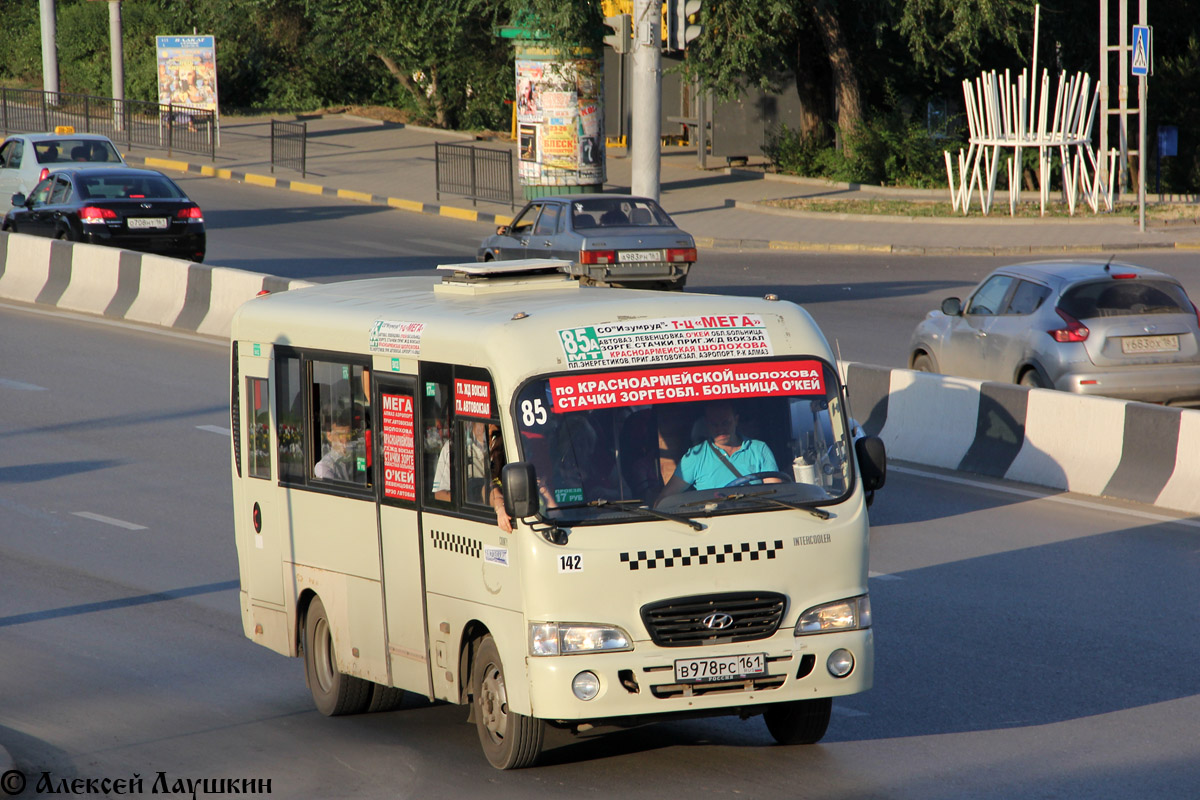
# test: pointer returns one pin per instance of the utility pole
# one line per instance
(645, 141)
(117, 48)
(49, 48)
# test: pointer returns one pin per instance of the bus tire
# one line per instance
(510, 740)
(334, 693)
(800, 721)
(385, 698)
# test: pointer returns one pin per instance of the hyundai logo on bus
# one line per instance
(718, 621)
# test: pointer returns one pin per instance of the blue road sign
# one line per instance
(1140, 64)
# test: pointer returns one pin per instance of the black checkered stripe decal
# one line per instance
(463, 545)
(712, 554)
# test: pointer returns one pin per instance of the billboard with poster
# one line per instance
(560, 120)
(187, 71)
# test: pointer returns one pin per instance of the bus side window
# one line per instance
(289, 420)
(435, 440)
(339, 446)
(258, 432)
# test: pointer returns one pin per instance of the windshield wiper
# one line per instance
(765, 496)
(629, 506)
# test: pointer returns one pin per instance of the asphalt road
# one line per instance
(867, 305)
(1027, 645)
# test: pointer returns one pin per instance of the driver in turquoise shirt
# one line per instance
(702, 466)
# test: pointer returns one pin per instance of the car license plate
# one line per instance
(1149, 344)
(720, 668)
(146, 222)
(642, 255)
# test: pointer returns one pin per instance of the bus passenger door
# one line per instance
(400, 534)
(258, 515)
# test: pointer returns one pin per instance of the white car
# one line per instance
(27, 158)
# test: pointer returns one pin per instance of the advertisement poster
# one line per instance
(560, 122)
(187, 71)
(682, 384)
(472, 398)
(658, 341)
(396, 337)
(399, 453)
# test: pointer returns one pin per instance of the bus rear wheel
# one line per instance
(334, 693)
(510, 740)
(799, 722)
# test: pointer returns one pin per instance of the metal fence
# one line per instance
(169, 127)
(289, 146)
(475, 172)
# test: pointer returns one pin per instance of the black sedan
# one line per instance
(137, 209)
(618, 239)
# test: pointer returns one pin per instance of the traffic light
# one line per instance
(682, 22)
(622, 35)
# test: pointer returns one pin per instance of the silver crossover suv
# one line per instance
(1087, 327)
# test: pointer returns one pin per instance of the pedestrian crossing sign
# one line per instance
(1140, 65)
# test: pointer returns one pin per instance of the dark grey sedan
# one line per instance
(1087, 327)
(609, 238)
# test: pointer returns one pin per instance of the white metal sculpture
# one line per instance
(1003, 115)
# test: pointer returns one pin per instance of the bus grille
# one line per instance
(691, 621)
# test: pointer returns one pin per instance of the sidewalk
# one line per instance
(389, 164)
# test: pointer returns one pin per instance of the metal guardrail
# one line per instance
(169, 127)
(289, 146)
(479, 173)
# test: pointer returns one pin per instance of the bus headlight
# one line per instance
(844, 615)
(566, 638)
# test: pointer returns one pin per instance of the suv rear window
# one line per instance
(1123, 298)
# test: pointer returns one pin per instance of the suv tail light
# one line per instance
(192, 213)
(676, 255)
(597, 256)
(1075, 331)
(45, 173)
(95, 214)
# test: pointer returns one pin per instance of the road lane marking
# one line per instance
(24, 387)
(842, 711)
(118, 523)
(214, 429)
(1053, 498)
(884, 576)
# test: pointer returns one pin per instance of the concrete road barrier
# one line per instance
(121, 284)
(1090, 445)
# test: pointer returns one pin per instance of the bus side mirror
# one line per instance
(518, 483)
(872, 462)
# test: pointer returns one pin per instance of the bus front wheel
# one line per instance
(800, 721)
(334, 693)
(510, 740)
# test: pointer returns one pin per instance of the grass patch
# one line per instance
(1025, 209)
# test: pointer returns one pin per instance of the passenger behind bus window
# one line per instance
(651, 445)
(723, 456)
(337, 462)
(483, 450)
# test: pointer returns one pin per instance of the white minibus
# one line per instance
(560, 505)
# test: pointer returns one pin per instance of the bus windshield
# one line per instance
(690, 440)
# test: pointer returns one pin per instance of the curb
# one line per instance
(917, 250)
(270, 181)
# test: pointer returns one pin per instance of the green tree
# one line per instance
(831, 46)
